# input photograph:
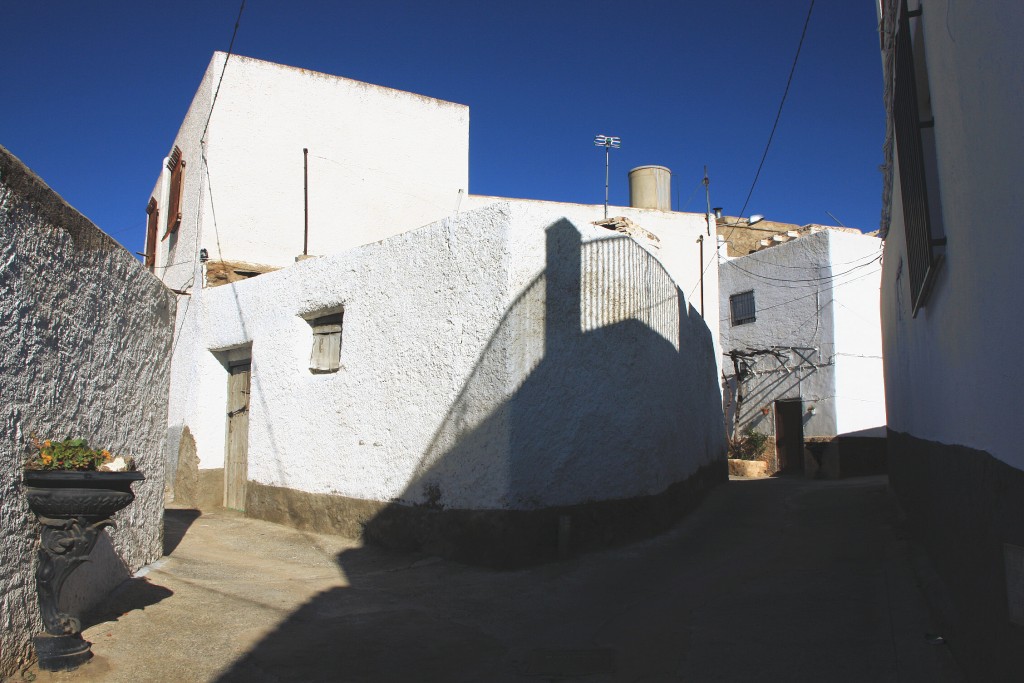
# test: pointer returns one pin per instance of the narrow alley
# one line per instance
(780, 579)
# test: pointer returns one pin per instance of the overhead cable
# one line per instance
(778, 115)
(732, 264)
(231, 45)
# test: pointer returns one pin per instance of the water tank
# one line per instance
(650, 187)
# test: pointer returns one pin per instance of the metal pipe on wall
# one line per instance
(305, 200)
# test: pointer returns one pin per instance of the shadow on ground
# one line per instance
(770, 580)
(138, 593)
(176, 524)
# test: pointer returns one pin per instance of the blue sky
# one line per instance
(94, 92)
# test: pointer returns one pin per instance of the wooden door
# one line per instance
(789, 435)
(236, 451)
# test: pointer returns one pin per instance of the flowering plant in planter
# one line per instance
(74, 491)
(74, 454)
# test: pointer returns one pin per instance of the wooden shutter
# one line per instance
(151, 228)
(177, 167)
(913, 185)
(743, 310)
(326, 355)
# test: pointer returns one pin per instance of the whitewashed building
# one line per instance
(951, 321)
(462, 374)
(802, 350)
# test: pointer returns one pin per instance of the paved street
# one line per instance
(768, 580)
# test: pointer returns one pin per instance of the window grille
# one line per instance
(742, 308)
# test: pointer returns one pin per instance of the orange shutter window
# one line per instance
(151, 228)
(177, 167)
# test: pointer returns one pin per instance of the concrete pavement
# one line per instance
(768, 580)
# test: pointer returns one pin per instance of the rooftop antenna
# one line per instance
(835, 219)
(607, 141)
(707, 196)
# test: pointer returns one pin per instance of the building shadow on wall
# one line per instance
(613, 389)
(592, 417)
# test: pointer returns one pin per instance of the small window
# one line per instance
(151, 228)
(742, 307)
(326, 356)
(176, 165)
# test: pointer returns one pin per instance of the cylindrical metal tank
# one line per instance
(650, 187)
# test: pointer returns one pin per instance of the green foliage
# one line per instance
(753, 445)
(69, 454)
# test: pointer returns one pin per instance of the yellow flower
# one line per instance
(105, 453)
(46, 444)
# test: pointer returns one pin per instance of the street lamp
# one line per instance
(607, 141)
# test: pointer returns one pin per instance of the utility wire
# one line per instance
(732, 264)
(764, 156)
(778, 115)
(806, 296)
(750, 259)
(171, 265)
(801, 285)
(231, 45)
(690, 198)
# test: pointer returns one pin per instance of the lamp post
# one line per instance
(607, 141)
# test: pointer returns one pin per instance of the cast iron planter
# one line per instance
(73, 507)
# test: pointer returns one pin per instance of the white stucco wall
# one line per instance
(85, 333)
(949, 373)
(860, 383)
(511, 363)
(676, 248)
(380, 161)
(793, 309)
(819, 292)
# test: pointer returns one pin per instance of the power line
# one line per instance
(216, 92)
(171, 265)
(764, 156)
(732, 264)
(750, 257)
(778, 115)
(815, 292)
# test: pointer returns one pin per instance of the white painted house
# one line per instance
(802, 349)
(951, 320)
(488, 379)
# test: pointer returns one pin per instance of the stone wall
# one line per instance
(85, 337)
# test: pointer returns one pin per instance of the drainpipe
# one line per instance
(305, 200)
(700, 266)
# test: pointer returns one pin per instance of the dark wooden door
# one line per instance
(236, 453)
(789, 435)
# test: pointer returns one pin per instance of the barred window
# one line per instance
(742, 308)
